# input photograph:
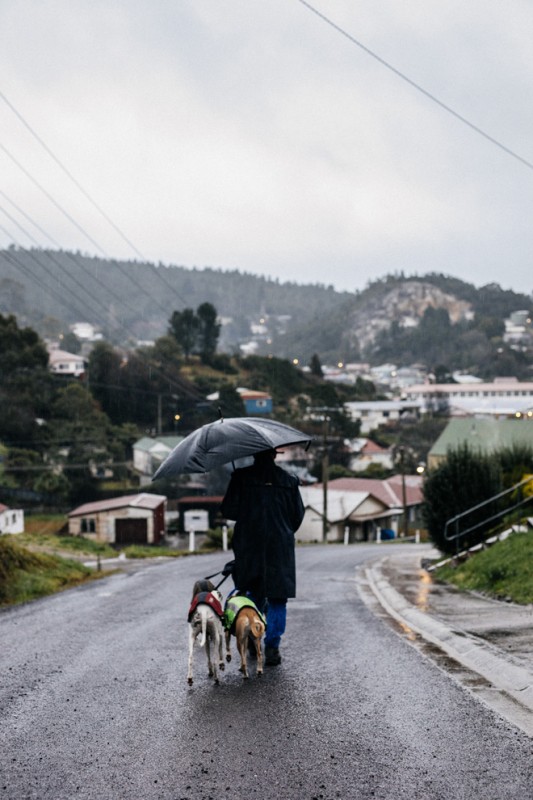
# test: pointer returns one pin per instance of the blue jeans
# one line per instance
(275, 611)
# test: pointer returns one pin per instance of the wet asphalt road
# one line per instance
(94, 702)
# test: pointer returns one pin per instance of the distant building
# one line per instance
(86, 332)
(481, 435)
(504, 397)
(132, 519)
(373, 414)
(366, 452)
(11, 520)
(62, 363)
(150, 452)
(518, 330)
(363, 505)
(254, 402)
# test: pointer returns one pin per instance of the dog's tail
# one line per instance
(258, 626)
(204, 630)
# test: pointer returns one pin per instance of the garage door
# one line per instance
(131, 531)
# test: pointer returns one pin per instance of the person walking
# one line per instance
(265, 502)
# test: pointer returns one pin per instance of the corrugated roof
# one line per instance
(147, 443)
(485, 435)
(340, 504)
(389, 491)
(143, 500)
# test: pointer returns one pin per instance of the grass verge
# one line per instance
(503, 571)
(27, 575)
(152, 551)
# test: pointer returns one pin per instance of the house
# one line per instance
(149, 453)
(86, 331)
(361, 512)
(255, 402)
(366, 452)
(369, 504)
(296, 460)
(11, 520)
(482, 436)
(373, 414)
(62, 363)
(132, 519)
(508, 394)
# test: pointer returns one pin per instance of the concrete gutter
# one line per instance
(477, 655)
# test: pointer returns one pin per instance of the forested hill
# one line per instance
(434, 319)
(128, 297)
(393, 319)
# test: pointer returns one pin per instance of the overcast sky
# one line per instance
(252, 135)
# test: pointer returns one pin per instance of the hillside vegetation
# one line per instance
(393, 319)
(503, 571)
(26, 575)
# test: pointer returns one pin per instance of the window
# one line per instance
(87, 525)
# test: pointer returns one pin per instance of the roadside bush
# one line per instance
(214, 539)
(463, 481)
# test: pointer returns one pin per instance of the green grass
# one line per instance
(27, 575)
(60, 544)
(152, 551)
(503, 571)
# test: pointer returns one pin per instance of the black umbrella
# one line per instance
(227, 440)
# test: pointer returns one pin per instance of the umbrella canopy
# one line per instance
(227, 440)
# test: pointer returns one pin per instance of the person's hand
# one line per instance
(228, 568)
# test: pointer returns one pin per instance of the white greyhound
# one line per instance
(205, 628)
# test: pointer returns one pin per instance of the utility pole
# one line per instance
(404, 493)
(325, 470)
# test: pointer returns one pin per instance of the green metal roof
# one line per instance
(147, 442)
(485, 435)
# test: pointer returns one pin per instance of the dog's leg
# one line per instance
(210, 669)
(259, 652)
(242, 652)
(192, 637)
(228, 651)
(242, 645)
(216, 649)
(220, 645)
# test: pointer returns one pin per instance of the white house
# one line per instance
(374, 413)
(361, 512)
(149, 453)
(365, 452)
(11, 520)
(62, 363)
(363, 505)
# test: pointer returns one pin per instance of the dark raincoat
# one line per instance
(266, 504)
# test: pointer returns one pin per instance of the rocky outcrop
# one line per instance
(404, 304)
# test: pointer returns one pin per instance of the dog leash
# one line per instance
(226, 572)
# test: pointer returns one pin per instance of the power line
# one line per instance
(72, 257)
(30, 220)
(82, 230)
(71, 177)
(417, 86)
(188, 389)
(87, 196)
(26, 269)
(53, 200)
